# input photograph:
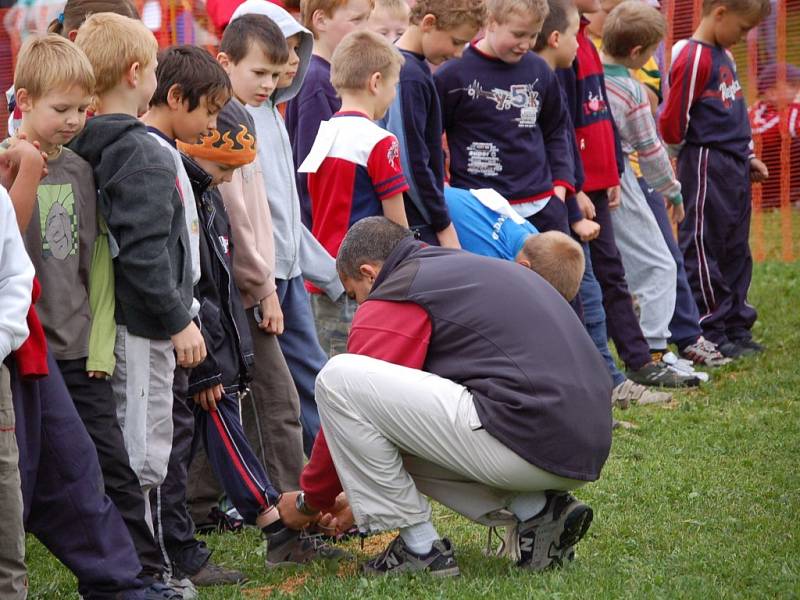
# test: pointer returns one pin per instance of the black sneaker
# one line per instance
(731, 350)
(213, 574)
(220, 522)
(547, 540)
(287, 547)
(439, 562)
(658, 374)
(159, 591)
(749, 346)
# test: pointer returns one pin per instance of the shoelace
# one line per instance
(509, 543)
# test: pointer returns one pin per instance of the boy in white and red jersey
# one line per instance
(354, 168)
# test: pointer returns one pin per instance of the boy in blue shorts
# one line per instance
(705, 114)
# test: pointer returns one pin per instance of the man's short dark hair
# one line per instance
(370, 240)
(196, 72)
(557, 20)
(253, 29)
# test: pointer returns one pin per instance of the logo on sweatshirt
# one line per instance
(58, 221)
(729, 89)
(594, 105)
(523, 96)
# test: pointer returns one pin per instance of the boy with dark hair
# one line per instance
(354, 168)
(601, 153)
(329, 21)
(439, 30)
(706, 116)
(298, 255)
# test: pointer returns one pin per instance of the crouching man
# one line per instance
(469, 380)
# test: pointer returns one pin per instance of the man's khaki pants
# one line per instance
(397, 433)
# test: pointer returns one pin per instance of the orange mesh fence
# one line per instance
(769, 71)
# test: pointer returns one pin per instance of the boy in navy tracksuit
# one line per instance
(706, 113)
(601, 152)
(214, 385)
(505, 122)
(415, 117)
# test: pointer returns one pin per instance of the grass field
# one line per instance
(700, 500)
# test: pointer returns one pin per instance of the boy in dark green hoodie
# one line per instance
(143, 207)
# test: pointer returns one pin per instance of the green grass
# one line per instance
(699, 501)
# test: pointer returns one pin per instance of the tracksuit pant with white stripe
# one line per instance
(714, 239)
(233, 461)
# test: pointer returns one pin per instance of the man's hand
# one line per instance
(97, 375)
(190, 347)
(448, 238)
(586, 205)
(291, 517)
(614, 197)
(208, 398)
(561, 192)
(677, 213)
(271, 314)
(340, 518)
(758, 171)
(586, 230)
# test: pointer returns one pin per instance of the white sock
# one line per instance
(527, 506)
(419, 538)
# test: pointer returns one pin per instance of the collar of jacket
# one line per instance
(198, 177)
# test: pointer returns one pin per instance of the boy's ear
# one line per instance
(175, 96)
(375, 81)
(72, 35)
(636, 52)
(719, 11)
(23, 99)
(554, 39)
(225, 62)
(132, 76)
(319, 20)
(428, 23)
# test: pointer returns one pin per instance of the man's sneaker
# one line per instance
(213, 574)
(629, 392)
(221, 522)
(287, 547)
(683, 366)
(706, 353)
(160, 591)
(439, 562)
(547, 540)
(659, 374)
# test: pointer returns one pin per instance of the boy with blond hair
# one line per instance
(439, 31)
(55, 82)
(354, 168)
(705, 115)
(142, 205)
(329, 21)
(389, 18)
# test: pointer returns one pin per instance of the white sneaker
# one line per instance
(683, 366)
(183, 586)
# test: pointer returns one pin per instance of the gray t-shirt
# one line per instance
(60, 241)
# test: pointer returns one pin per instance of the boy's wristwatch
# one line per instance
(302, 507)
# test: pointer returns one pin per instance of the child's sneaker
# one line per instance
(683, 366)
(706, 353)
(213, 574)
(629, 392)
(659, 374)
(547, 540)
(749, 346)
(287, 547)
(159, 591)
(396, 558)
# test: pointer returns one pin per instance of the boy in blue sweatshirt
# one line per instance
(505, 120)
(438, 31)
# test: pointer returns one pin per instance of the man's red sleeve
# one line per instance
(397, 332)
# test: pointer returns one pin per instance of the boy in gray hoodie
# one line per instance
(298, 255)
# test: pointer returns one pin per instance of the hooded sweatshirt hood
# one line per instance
(103, 131)
(289, 26)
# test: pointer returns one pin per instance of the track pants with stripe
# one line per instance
(233, 461)
(714, 239)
